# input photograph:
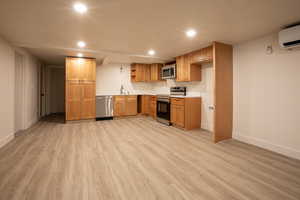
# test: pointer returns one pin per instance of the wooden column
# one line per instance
(223, 91)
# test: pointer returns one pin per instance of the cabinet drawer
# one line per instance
(131, 98)
(153, 98)
(119, 98)
(177, 101)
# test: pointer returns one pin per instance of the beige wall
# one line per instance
(7, 92)
(110, 78)
(267, 96)
(30, 98)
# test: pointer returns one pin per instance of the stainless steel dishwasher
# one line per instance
(104, 107)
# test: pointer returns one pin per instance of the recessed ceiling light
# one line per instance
(81, 44)
(191, 33)
(80, 8)
(79, 55)
(151, 52)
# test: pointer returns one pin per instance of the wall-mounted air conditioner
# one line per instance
(290, 37)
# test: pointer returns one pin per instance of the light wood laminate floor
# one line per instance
(139, 159)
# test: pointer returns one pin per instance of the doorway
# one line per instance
(19, 92)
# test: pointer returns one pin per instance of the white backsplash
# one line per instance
(111, 77)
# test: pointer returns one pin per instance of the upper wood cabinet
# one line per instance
(145, 72)
(185, 71)
(80, 69)
(202, 56)
(138, 72)
(155, 72)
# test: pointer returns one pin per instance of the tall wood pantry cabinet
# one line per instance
(80, 88)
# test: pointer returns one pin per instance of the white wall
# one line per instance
(31, 89)
(267, 96)
(110, 78)
(7, 77)
(7, 91)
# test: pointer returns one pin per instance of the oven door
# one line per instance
(163, 110)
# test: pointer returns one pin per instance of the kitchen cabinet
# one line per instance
(202, 56)
(155, 72)
(80, 95)
(119, 106)
(88, 101)
(73, 100)
(145, 72)
(140, 72)
(125, 105)
(145, 104)
(80, 69)
(131, 105)
(152, 111)
(189, 69)
(185, 71)
(186, 112)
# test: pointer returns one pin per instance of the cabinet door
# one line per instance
(133, 72)
(180, 116)
(88, 104)
(119, 106)
(139, 72)
(73, 100)
(179, 68)
(173, 114)
(209, 53)
(155, 72)
(131, 105)
(88, 70)
(177, 115)
(182, 68)
(73, 69)
(153, 106)
(145, 104)
(147, 72)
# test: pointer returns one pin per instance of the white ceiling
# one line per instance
(124, 30)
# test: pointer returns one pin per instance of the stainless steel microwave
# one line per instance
(168, 71)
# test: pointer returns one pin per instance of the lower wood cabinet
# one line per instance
(152, 110)
(149, 105)
(125, 105)
(186, 112)
(177, 115)
(145, 104)
(131, 105)
(80, 100)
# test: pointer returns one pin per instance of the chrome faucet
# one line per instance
(122, 89)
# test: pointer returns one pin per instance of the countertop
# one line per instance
(172, 96)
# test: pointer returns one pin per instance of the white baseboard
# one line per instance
(6, 139)
(267, 145)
